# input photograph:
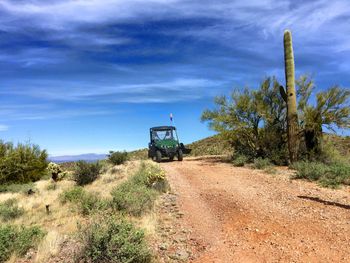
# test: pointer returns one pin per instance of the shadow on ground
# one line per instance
(317, 199)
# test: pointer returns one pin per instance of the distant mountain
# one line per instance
(89, 157)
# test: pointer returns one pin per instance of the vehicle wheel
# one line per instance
(171, 158)
(158, 156)
(179, 155)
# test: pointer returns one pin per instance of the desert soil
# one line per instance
(220, 213)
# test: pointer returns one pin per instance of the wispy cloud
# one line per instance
(167, 91)
(3, 127)
(48, 112)
(72, 39)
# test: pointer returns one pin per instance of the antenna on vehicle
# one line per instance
(172, 124)
(171, 118)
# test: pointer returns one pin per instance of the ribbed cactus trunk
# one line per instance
(291, 99)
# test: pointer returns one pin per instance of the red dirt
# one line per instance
(245, 215)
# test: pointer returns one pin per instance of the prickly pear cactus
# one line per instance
(289, 95)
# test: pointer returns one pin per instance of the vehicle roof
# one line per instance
(162, 128)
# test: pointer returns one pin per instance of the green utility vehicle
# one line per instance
(165, 143)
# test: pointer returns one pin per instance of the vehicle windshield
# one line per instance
(162, 135)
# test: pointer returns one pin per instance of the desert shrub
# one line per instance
(9, 210)
(138, 193)
(331, 175)
(260, 163)
(18, 240)
(309, 170)
(154, 177)
(16, 188)
(114, 240)
(85, 172)
(21, 164)
(74, 194)
(117, 158)
(86, 203)
(240, 160)
(133, 198)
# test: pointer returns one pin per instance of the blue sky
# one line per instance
(79, 76)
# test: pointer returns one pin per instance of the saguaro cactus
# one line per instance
(289, 95)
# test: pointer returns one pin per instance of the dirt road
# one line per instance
(245, 215)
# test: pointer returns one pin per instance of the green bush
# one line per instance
(135, 199)
(21, 164)
(114, 240)
(240, 160)
(9, 210)
(18, 240)
(137, 195)
(86, 173)
(151, 176)
(86, 203)
(73, 195)
(260, 163)
(117, 158)
(331, 175)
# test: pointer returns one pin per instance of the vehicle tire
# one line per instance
(158, 156)
(179, 155)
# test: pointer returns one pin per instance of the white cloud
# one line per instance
(3, 127)
(181, 89)
(46, 112)
(267, 15)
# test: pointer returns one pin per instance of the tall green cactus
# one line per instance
(289, 95)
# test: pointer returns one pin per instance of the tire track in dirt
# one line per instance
(244, 215)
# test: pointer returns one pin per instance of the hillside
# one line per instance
(341, 143)
(212, 145)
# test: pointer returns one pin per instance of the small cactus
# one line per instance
(56, 172)
(289, 95)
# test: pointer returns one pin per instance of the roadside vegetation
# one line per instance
(9, 210)
(23, 163)
(285, 125)
(328, 175)
(90, 205)
(137, 195)
(254, 123)
(85, 173)
(18, 240)
(117, 158)
(114, 239)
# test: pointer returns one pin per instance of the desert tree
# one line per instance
(252, 120)
(330, 109)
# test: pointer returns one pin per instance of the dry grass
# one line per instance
(61, 222)
(50, 246)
